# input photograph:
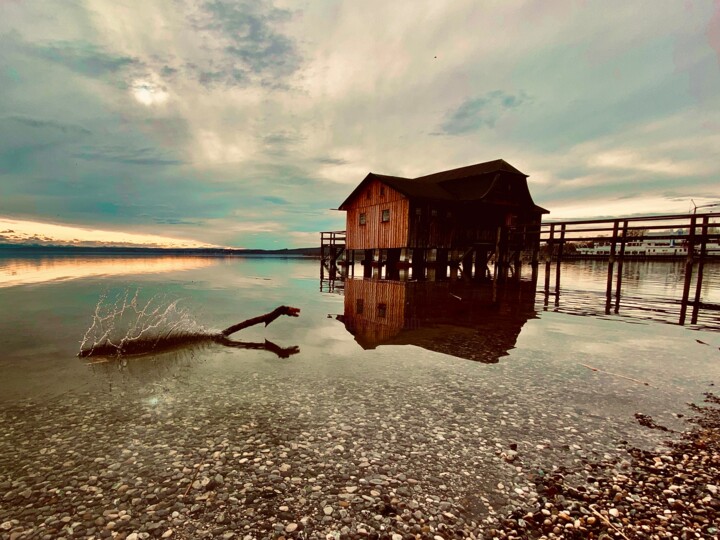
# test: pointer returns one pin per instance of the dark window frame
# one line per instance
(385, 216)
(362, 218)
(359, 306)
(382, 310)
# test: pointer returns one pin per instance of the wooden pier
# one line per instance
(333, 263)
(694, 238)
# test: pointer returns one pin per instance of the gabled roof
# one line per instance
(471, 183)
(496, 165)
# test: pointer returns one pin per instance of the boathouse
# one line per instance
(458, 220)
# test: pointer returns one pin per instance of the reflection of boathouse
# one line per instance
(462, 219)
(468, 321)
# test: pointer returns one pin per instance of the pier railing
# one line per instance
(692, 237)
(332, 247)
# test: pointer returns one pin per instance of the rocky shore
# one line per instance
(669, 494)
(287, 453)
(73, 479)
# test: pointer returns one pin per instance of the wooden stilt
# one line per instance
(700, 269)
(441, 264)
(368, 263)
(558, 263)
(611, 266)
(688, 270)
(467, 265)
(418, 263)
(548, 262)
(621, 256)
(392, 268)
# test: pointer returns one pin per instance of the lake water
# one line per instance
(431, 383)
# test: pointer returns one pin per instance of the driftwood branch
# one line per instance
(267, 319)
(180, 341)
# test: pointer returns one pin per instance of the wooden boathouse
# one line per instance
(465, 221)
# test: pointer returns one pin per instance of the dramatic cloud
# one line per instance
(480, 112)
(81, 57)
(243, 122)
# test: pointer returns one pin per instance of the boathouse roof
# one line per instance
(471, 183)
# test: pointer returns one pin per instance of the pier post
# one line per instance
(368, 263)
(621, 257)
(519, 242)
(561, 247)
(501, 254)
(467, 265)
(454, 264)
(481, 264)
(418, 263)
(611, 265)
(688, 270)
(701, 265)
(392, 270)
(534, 258)
(551, 247)
(441, 264)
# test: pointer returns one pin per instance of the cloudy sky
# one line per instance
(243, 123)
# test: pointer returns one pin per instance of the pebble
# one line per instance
(374, 467)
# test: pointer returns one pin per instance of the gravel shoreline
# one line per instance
(668, 494)
(116, 467)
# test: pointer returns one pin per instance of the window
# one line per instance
(418, 211)
(359, 305)
(433, 212)
(363, 218)
(382, 310)
(382, 191)
(385, 215)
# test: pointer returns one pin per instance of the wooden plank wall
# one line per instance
(369, 326)
(375, 234)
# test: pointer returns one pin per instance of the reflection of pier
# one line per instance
(477, 322)
(694, 237)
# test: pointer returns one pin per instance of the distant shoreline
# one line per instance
(12, 249)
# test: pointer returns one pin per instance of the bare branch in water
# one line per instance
(267, 319)
(139, 345)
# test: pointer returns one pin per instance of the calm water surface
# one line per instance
(401, 378)
(49, 303)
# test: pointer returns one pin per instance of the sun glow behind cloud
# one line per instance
(19, 231)
(149, 93)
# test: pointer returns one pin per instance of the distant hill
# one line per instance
(9, 249)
